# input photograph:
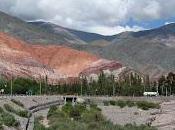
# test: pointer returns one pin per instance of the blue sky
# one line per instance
(107, 17)
(151, 24)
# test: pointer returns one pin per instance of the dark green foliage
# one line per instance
(22, 113)
(7, 119)
(106, 103)
(112, 102)
(140, 104)
(104, 86)
(147, 105)
(121, 103)
(75, 114)
(17, 102)
(130, 103)
(130, 86)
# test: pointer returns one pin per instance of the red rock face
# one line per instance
(18, 58)
(65, 60)
(101, 64)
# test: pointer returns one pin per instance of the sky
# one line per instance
(107, 17)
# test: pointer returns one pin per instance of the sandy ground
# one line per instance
(166, 119)
(127, 115)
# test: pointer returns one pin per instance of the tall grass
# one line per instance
(21, 113)
(7, 119)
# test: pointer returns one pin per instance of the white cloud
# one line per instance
(105, 30)
(166, 23)
(100, 16)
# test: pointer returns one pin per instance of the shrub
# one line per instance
(1, 127)
(112, 102)
(17, 102)
(75, 114)
(22, 113)
(52, 110)
(67, 108)
(147, 105)
(130, 103)
(1, 110)
(80, 107)
(93, 126)
(121, 103)
(9, 120)
(106, 103)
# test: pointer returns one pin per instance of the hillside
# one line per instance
(20, 59)
(34, 34)
(84, 36)
(151, 52)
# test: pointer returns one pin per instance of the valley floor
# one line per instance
(163, 118)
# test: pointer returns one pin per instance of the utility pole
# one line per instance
(40, 87)
(11, 87)
(113, 89)
(81, 89)
(166, 92)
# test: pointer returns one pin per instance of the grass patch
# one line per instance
(7, 119)
(17, 103)
(21, 113)
(121, 103)
(82, 117)
(144, 105)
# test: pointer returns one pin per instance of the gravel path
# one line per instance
(127, 115)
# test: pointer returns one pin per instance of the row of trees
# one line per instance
(130, 85)
(105, 85)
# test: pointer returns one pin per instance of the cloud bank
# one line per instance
(100, 16)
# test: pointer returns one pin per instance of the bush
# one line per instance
(1, 126)
(93, 126)
(67, 108)
(75, 114)
(81, 107)
(17, 102)
(106, 103)
(1, 110)
(130, 103)
(52, 110)
(22, 113)
(121, 103)
(9, 120)
(112, 102)
(147, 105)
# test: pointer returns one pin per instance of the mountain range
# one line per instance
(150, 51)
